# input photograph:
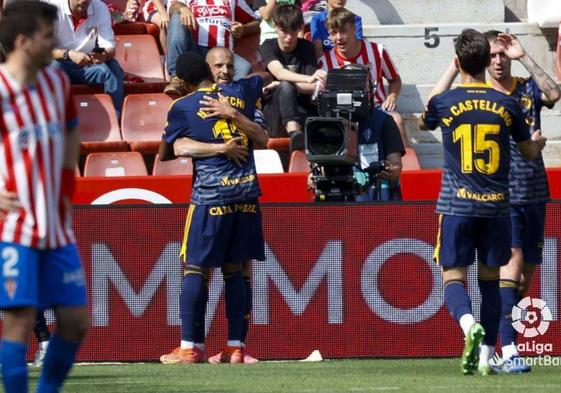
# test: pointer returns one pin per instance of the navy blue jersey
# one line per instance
(217, 179)
(528, 180)
(476, 123)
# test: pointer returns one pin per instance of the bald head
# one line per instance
(221, 63)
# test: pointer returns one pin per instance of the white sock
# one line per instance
(466, 322)
(200, 346)
(234, 343)
(486, 353)
(187, 344)
(509, 351)
(44, 345)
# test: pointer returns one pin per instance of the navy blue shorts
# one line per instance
(528, 225)
(460, 237)
(219, 234)
(41, 278)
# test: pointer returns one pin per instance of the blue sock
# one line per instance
(456, 299)
(14, 367)
(509, 297)
(58, 362)
(248, 307)
(201, 314)
(189, 303)
(235, 304)
(490, 310)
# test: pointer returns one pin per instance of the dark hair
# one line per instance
(492, 35)
(473, 51)
(288, 17)
(22, 17)
(339, 17)
(192, 68)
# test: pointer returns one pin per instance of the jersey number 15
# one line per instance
(465, 134)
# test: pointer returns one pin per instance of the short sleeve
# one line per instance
(431, 117)
(106, 36)
(389, 70)
(253, 87)
(308, 57)
(176, 126)
(391, 138)
(267, 50)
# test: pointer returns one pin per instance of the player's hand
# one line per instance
(9, 202)
(513, 47)
(217, 107)
(539, 139)
(237, 29)
(235, 151)
(389, 104)
(188, 19)
(391, 171)
(318, 76)
(270, 87)
(98, 58)
(81, 58)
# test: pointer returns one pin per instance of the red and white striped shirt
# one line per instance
(33, 124)
(214, 19)
(372, 54)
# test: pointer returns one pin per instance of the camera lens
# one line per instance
(326, 138)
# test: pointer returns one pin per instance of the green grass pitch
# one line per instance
(372, 375)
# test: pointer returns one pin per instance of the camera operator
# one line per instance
(379, 143)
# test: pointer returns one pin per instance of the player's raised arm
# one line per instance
(443, 84)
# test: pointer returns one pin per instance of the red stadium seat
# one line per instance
(143, 120)
(128, 163)
(410, 161)
(278, 144)
(248, 48)
(99, 128)
(559, 54)
(298, 162)
(179, 166)
(139, 57)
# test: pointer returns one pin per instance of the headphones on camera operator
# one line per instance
(345, 161)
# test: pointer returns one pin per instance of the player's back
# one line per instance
(217, 179)
(476, 123)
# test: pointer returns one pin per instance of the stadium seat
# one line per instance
(267, 161)
(559, 54)
(128, 163)
(179, 166)
(99, 128)
(248, 48)
(278, 144)
(143, 120)
(410, 161)
(139, 57)
(298, 162)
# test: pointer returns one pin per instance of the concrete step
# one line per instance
(422, 52)
(431, 155)
(390, 12)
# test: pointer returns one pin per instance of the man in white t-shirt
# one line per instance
(86, 46)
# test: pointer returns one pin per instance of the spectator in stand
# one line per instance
(198, 25)
(292, 61)
(350, 50)
(266, 9)
(318, 27)
(86, 46)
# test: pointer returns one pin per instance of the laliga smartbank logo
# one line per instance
(531, 318)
